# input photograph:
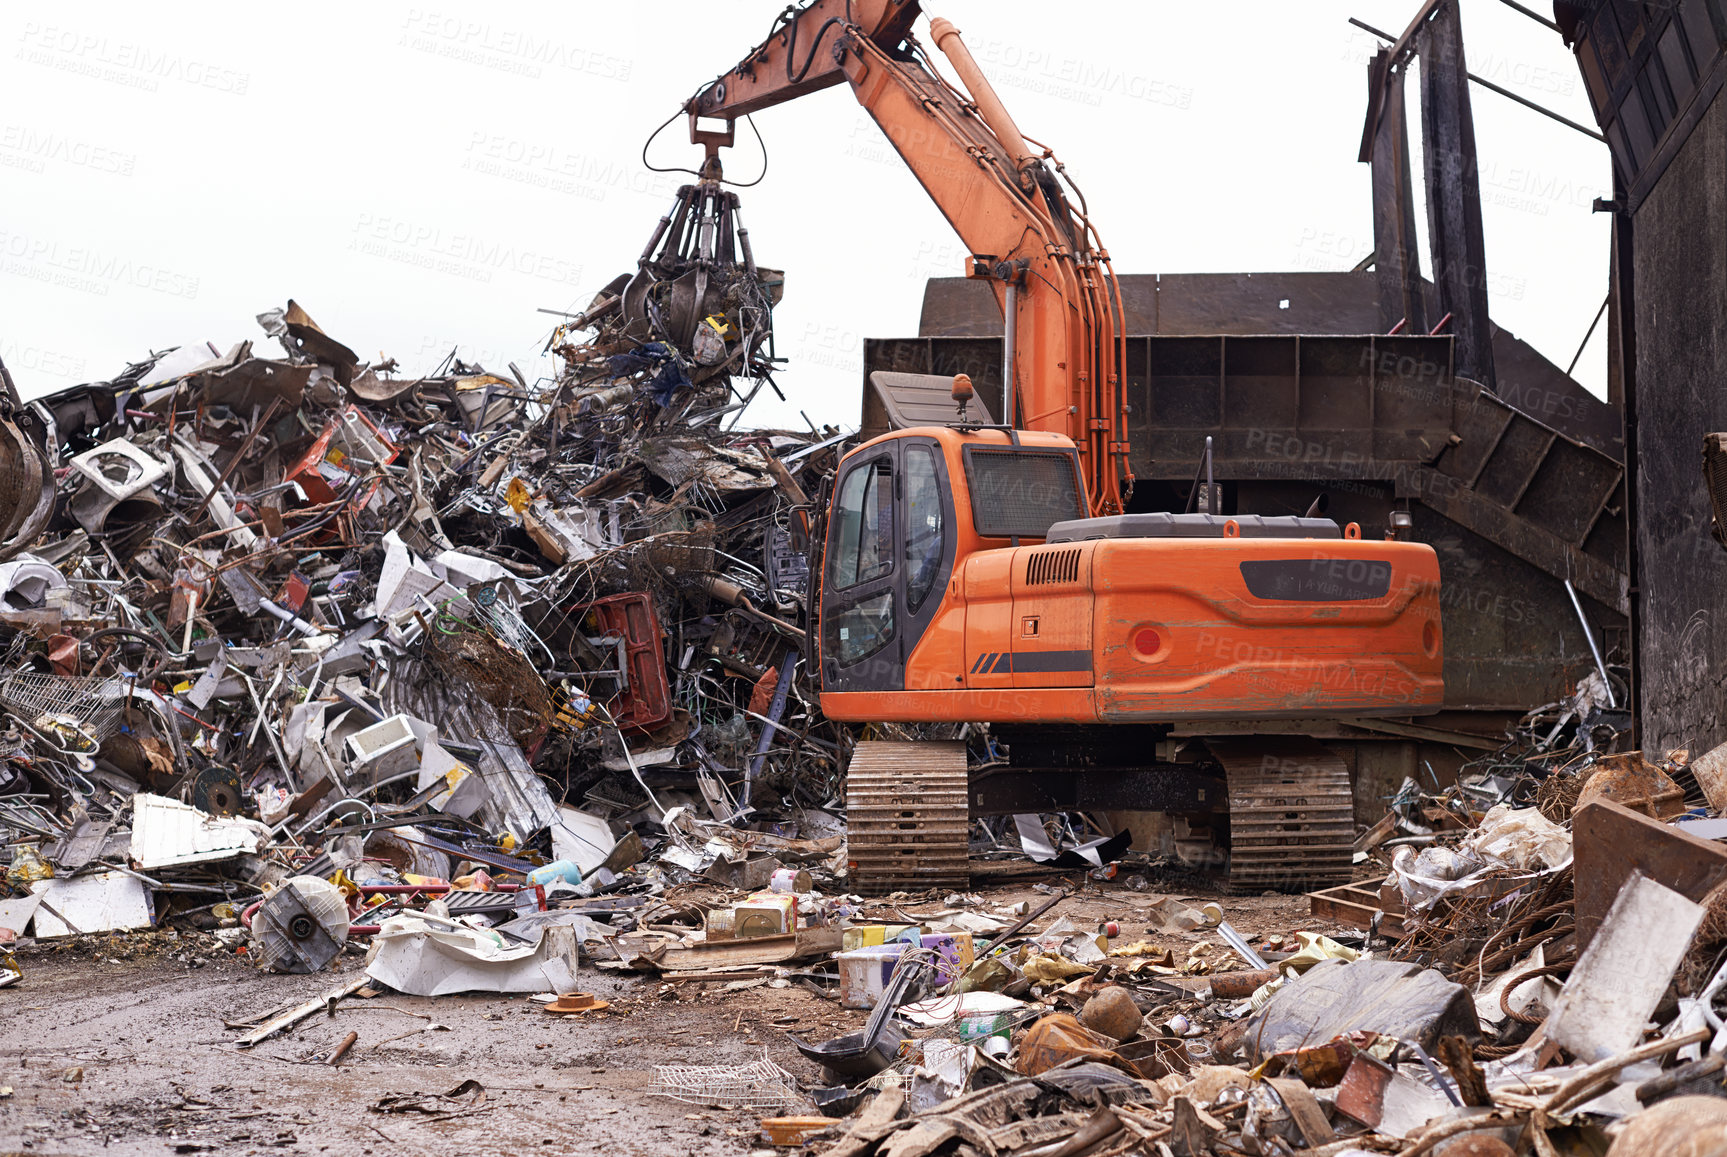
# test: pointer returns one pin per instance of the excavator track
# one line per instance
(907, 817)
(1291, 814)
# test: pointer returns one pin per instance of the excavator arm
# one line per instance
(1064, 364)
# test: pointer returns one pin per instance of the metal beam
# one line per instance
(1453, 188)
(1376, 110)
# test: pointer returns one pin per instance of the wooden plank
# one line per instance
(875, 1122)
(1355, 906)
(756, 950)
(300, 1012)
(1304, 1110)
(1611, 841)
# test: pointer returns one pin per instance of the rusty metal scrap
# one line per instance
(464, 621)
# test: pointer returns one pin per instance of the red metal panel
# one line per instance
(647, 702)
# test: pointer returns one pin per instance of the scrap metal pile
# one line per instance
(505, 679)
(301, 617)
(1542, 971)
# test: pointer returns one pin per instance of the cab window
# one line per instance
(923, 531)
(863, 547)
(861, 629)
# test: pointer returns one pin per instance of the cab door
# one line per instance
(860, 615)
(888, 557)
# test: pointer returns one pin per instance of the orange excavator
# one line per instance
(985, 572)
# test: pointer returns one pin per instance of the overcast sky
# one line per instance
(426, 176)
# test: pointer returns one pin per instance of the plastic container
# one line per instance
(868, 935)
(765, 914)
(976, 1027)
(864, 974)
(790, 880)
(956, 951)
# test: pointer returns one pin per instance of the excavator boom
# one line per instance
(1004, 197)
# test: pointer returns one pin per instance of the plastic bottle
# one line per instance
(564, 870)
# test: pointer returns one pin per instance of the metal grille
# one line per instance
(757, 1085)
(38, 700)
(1021, 492)
(1052, 566)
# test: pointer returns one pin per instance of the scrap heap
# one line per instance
(272, 616)
(1541, 971)
(499, 677)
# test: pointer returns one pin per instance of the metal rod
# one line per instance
(1211, 502)
(1546, 112)
(1578, 356)
(1535, 16)
(1600, 667)
(1009, 334)
(341, 1050)
(1203, 468)
(269, 732)
(1242, 949)
(1002, 936)
(1485, 83)
(239, 455)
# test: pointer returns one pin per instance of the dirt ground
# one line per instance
(117, 1045)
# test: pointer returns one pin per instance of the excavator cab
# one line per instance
(907, 508)
(963, 581)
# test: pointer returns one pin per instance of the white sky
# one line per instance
(422, 176)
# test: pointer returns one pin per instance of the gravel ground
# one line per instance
(117, 1045)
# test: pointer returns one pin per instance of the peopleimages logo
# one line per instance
(31, 359)
(456, 253)
(548, 165)
(523, 52)
(87, 269)
(34, 150)
(1073, 78)
(139, 66)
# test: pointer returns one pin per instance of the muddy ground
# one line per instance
(117, 1045)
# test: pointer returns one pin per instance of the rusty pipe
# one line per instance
(1240, 985)
(989, 105)
(732, 594)
(341, 1050)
